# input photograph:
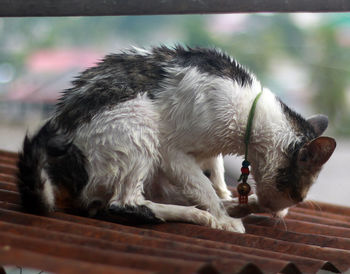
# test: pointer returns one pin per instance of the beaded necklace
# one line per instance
(243, 188)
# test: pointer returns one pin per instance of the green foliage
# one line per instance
(330, 77)
(261, 43)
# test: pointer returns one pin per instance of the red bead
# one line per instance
(245, 170)
(243, 199)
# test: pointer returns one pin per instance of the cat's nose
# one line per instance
(296, 195)
(298, 198)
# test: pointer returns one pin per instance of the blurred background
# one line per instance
(304, 58)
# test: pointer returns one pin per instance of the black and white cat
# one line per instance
(135, 133)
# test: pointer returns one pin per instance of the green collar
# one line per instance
(248, 130)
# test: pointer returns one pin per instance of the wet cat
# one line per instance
(134, 134)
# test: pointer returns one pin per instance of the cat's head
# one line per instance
(301, 164)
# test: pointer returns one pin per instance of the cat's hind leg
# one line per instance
(128, 196)
(118, 188)
(121, 146)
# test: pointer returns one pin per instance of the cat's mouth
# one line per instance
(275, 207)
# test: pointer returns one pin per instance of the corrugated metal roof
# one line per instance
(313, 236)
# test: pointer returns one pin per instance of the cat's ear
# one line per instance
(319, 122)
(315, 153)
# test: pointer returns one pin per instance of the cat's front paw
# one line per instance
(227, 223)
(201, 217)
(231, 224)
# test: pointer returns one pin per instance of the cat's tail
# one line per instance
(34, 184)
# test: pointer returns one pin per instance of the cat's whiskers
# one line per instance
(281, 219)
(278, 219)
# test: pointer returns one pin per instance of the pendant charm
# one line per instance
(243, 191)
(243, 188)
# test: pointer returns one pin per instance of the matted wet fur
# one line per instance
(142, 135)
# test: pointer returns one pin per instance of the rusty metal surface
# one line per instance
(312, 237)
(14, 256)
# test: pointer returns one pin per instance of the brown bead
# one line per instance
(243, 189)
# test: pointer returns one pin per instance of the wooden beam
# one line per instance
(23, 8)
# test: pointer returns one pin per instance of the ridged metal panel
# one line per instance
(154, 7)
(313, 236)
